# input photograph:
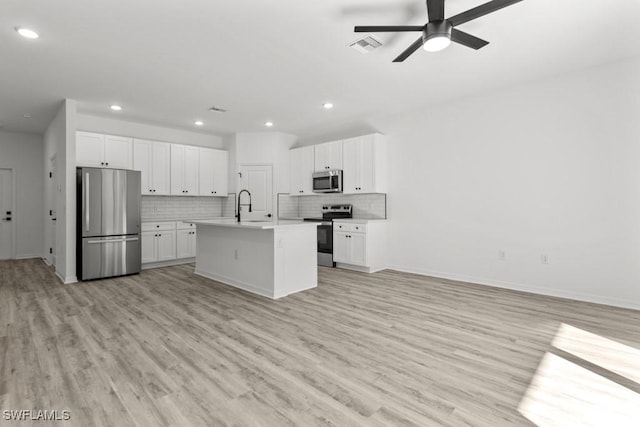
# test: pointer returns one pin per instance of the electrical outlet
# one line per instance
(544, 259)
(502, 255)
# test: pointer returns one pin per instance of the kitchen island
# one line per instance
(272, 259)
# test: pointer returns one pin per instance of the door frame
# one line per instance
(274, 196)
(14, 221)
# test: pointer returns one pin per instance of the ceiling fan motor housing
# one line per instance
(437, 29)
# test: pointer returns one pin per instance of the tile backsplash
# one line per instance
(365, 206)
(161, 208)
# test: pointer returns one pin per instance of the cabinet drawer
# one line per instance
(349, 227)
(185, 225)
(159, 226)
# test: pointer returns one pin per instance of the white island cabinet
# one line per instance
(272, 259)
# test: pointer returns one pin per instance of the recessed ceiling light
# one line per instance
(27, 33)
(115, 107)
(268, 124)
(327, 105)
(198, 123)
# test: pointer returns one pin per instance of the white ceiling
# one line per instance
(168, 61)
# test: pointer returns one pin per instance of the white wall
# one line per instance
(119, 127)
(59, 141)
(262, 148)
(24, 154)
(551, 168)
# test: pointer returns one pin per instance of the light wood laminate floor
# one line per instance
(167, 347)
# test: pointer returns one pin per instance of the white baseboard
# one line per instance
(67, 280)
(236, 284)
(28, 256)
(168, 263)
(578, 296)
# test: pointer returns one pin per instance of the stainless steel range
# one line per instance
(325, 231)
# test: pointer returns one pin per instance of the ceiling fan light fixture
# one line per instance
(436, 36)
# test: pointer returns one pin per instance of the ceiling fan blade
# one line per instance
(414, 46)
(435, 9)
(467, 39)
(387, 28)
(477, 12)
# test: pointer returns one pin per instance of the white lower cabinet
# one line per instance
(158, 246)
(167, 241)
(186, 241)
(360, 246)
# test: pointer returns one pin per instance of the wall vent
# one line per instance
(366, 44)
(217, 109)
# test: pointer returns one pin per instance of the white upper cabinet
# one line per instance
(152, 159)
(301, 162)
(365, 164)
(184, 170)
(328, 156)
(107, 151)
(214, 172)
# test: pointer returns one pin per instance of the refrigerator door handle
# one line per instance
(87, 202)
(131, 239)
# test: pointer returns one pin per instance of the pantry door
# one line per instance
(258, 179)
(6, 214)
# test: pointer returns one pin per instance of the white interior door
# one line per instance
(52, 213)
(258, 179)
(6, 214)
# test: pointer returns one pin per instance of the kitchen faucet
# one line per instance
(239, 204)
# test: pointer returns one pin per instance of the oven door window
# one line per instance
(325, 239)
(323, 183)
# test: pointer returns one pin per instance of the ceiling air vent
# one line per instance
(366, 44)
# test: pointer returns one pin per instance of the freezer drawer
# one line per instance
(110, 256)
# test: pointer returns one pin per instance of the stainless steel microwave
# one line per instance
(328, 181)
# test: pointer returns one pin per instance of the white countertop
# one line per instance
(263, 225)
(358, 220)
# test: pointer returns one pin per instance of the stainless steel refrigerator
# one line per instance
(108, 222)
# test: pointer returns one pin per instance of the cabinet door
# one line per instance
(301, 168)
(142, 155)
(365, 164)
(148, 245)
(183, 244)
(166, 245)
(192, 244)
(89, 149)
(350, 174)
(220, 173)
(117, 152)
(161, 168)
(341, 247)
(177, 169)
(206, 164)
(335, 155)
(358, 249)
(359, 165)
(191, 171)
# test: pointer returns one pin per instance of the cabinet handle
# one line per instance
(107, 163)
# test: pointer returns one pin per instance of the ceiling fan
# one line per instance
(438, 33)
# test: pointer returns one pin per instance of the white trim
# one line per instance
(577, 296)
(69, 280)
(236, 284)
(358, 268)
(28, 256)
(169, 263)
